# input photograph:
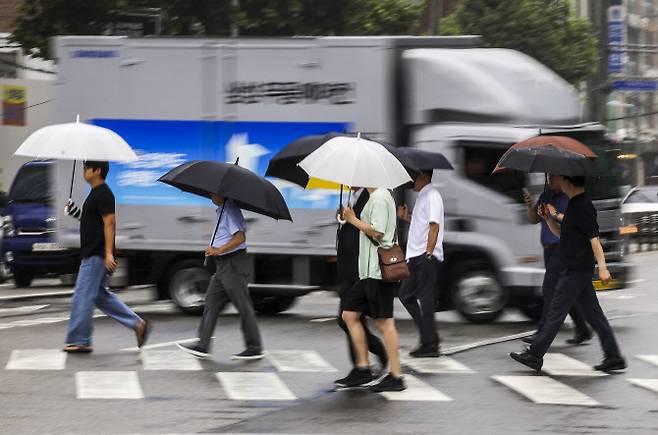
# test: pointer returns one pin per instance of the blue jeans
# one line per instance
(91, 290)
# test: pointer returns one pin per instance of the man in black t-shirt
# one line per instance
(97, 230)
(579, 248)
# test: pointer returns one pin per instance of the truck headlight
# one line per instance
(8, 229)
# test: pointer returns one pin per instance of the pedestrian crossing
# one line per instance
(274, 378)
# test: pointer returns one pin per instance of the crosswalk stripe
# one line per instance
(23, 309)
(299, 361)
(443, 364)
(546, 391)
(169, 360)
(108, 385)
(254, 386)
(417, 391)
(36, 359)
(649, 384)
(559, 364)
(651, 359)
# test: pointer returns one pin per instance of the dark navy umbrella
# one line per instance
(425, 160)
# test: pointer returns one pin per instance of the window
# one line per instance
(480, 159)
(32, 184)
(644, 194)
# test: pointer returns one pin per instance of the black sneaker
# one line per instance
(357, 378)
(194, 350)
(529, 338)
(612, 364)
(528, 359)
(389, 383)
(248, 355)
(425, 351)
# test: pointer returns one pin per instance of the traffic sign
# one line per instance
(635, 85)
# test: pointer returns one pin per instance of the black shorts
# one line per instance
(373, 297)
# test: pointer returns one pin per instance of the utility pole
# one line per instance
(598, 86)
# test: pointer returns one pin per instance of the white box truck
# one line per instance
(181, 99)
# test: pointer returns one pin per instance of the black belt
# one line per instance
(552, 246)
(231, 254)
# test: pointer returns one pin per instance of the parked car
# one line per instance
(29, 247)
(640, 217)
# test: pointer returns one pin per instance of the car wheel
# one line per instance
(270, 305)
(187, 284)
(477, 294)
(22, 278)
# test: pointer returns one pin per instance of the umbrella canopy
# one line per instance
(425, 160)
(546, 159)
(355, 161)
(562, 142)
(76, 141)
(284, 164)
(248, 190)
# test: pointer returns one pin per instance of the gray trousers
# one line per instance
(229, 284)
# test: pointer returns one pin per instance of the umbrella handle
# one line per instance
(72, 178)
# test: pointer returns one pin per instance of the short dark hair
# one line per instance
(576, 180)
(103, 166)
(427, 172)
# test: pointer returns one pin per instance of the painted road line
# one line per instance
(299, 361)
(254, 386)
(323, 319)
(36, 295)
(108, 385)
(169, 360)
(546, 391)
(163, 344)
(649, 384)
(23, 310)
(651, 359)
(417, 391)
(37, 359)
(461, 348)
(559, 364)
(442, 364)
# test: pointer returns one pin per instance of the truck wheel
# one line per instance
(477, 294)
(269, 305)
(187, 283)
(532, 309)
(22, 278)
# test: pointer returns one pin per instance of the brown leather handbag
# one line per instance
(392, 262)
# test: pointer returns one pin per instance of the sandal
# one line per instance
(77, 348)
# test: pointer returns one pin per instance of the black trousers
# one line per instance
(574, 288)
(375, 345)
(417, 296)
(554, 268)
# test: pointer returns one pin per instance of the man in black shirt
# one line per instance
(579, 248)
(97, 230)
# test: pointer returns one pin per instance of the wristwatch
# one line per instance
(428, 255)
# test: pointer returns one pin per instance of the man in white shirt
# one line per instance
(424, 252)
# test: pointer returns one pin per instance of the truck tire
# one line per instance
(270, 305)
(532, 309)
(476, 292)
(22, 278)
(186, 286)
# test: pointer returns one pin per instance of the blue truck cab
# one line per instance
(29, 224)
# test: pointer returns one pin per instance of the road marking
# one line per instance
(159, 345)
(36, 359)
(546, 391)
(649, 384)
(323, 319)
(461, 348)
(417, 391)
(169, 360)
(108, 385)
(651, 359)
(299, 361)
(24, 309)
(636, 281)
(442, 364)
(36, 295)
(559, 364)
(254, 386)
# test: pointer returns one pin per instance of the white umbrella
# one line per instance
(76, 141)
(353, 161)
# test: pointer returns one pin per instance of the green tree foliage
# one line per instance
(543, 29)
(41, 19)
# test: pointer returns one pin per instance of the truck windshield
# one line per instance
(32, 184)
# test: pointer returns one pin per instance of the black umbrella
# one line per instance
(248, 190)
(546, 159)
(284, 164)
(425, 160)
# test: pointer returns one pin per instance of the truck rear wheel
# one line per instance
(270, 305)
(22, 278)
(477, 294)
(187, 284)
